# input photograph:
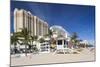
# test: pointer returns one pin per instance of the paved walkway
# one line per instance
(49, 58)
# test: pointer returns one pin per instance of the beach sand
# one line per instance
(48, 58)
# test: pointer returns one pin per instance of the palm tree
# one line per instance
(34, 48)
(26, 38)
(79, 45)
(74, 39)
(50, 33)
(52, 41)
(41, 40)
(14, 41)
(33, 38)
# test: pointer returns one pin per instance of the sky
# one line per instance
(73, 18)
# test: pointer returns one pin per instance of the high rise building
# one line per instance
(35, 25)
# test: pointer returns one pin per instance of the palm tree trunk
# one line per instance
(25, 48)
(15, 48)
(32, 46)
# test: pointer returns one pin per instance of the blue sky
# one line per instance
(73, 18)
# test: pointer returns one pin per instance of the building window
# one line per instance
(59, 42)
(65, 42)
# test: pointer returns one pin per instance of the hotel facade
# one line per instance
(35, 25)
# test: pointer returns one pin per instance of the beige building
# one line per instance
(24, 19)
